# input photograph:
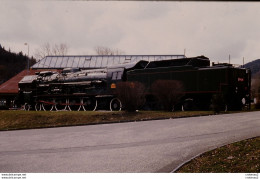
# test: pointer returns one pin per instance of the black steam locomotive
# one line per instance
(92, 89)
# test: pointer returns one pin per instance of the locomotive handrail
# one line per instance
(46, 102)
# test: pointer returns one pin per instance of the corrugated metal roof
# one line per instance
(96, 61)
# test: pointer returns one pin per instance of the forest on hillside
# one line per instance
(254, 66)
(12, 64)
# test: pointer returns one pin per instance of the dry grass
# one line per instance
(11, 120)
(239, 157)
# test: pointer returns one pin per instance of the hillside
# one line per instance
(254, 66)
(11, 64)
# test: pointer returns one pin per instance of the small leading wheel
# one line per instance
(115, 105)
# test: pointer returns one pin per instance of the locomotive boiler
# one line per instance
(93, 89)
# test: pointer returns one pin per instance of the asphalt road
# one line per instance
(150, 146)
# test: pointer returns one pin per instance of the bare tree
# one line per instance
(61, 49)
(132, 95)
(47, 50)
(101, 50)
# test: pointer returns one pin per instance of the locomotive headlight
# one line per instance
(113, 86)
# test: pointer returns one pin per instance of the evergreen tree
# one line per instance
(11, 64)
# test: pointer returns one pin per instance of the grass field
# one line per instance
(239, 157)
(13, 120)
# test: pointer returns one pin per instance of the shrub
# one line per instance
(168, 93)
(257, 96)
(255, 89)
(131, 94)
(217, 103)
(257, 104)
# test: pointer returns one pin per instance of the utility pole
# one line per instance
(229, 59)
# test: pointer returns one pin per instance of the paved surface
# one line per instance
(150, 146)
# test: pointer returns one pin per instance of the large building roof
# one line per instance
(96, 61)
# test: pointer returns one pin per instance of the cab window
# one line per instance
(117, 75)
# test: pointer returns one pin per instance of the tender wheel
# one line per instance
(218, 104)
(188, 105)
(225, 107)
(115, 105)
(90, 104)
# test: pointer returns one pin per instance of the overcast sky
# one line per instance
(213, 29)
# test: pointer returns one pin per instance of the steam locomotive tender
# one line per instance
(78, 89)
